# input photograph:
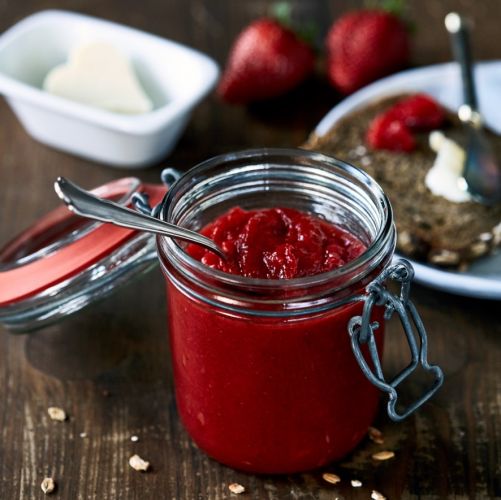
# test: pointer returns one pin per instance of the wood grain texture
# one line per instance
(109, 366)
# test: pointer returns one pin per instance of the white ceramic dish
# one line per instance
(175, 77)
(483, 278)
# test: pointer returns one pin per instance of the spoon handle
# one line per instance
(459, 33)
(87, 205)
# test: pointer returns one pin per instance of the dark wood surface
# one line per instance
(109, 366)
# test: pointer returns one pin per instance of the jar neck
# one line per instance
(304, 180)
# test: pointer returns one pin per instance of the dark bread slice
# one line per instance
(429, 227)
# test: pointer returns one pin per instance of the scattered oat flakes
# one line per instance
(83, 434)
(376, 435)
(236, 488)
(356, 483)
(375, 495)
(331, 478)
(134, 439)
(383, 455)
(137, 463)
(48, 485)
(56, 413)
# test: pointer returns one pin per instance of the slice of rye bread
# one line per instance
(429, 227)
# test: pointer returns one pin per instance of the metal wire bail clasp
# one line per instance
(141, 200)
(361, 331)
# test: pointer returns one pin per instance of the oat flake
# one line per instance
(356, 483)
(376, 435)
(236, 488)
(137, 463)
(48, 485)
(375, 495)
(56, 413)
(383, 455)
(331, 478)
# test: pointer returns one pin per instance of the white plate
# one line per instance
(483, 278)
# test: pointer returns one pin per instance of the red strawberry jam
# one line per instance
(260, 387)
(277, 243)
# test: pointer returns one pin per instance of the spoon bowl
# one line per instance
(481, 172)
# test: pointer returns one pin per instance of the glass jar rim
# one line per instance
(374, 248)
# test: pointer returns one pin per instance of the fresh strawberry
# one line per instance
(393, 128)
(419, 112)
(363, 46)
(387, 133)
(266, 60)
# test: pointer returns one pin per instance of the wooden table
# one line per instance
(110, 368)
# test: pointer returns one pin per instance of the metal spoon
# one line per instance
(481, 174)
(87, 205)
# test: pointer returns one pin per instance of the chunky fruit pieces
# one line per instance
(392, 130)
(277, 243)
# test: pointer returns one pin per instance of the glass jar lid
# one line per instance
(63, 262)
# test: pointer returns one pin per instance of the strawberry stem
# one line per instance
(281, 11)
(395, 7)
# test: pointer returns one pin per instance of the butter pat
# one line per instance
(99, 74)
(444, 178)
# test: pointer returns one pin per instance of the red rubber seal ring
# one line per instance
(25, 280)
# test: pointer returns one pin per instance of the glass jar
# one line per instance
(265, 375)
